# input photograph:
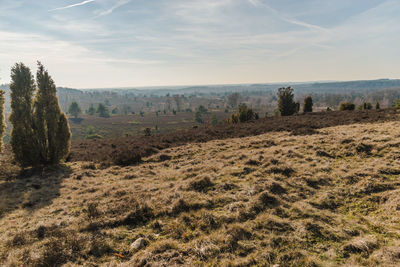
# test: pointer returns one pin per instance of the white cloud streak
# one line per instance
(114, 7)
(74, 5)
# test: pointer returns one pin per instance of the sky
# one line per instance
(133, 43)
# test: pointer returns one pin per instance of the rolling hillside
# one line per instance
(326, 198)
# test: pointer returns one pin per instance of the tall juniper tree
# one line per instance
(23, 141)
(286, 104)
(308, 104)
(51, 125)
(2, 123)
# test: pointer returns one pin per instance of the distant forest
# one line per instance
(260, 97)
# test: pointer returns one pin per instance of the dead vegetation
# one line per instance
(263, 200)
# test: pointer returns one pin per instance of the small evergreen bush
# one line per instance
(347, 106)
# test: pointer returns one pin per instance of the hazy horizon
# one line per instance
(138, 43)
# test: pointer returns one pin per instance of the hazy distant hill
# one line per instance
(308, 87)
(372, 90)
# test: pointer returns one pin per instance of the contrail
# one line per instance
(117, 5)
(74, 5)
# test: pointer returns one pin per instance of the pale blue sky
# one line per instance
(115, 43)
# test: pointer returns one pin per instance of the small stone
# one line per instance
(138, 244)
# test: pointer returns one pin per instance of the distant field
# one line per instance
(123, 148)
(132, 125)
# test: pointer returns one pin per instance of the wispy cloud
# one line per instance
(114, 7)
(74, 5)
(283, 17)
(201, 41)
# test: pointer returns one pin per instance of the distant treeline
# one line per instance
(261, 97)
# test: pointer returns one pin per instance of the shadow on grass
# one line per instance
(32, 189)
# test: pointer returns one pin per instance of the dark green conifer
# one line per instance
(23, 141)
(2, 123)
(51, 125)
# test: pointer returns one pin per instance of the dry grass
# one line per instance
(327, 199)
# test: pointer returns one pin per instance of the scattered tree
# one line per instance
(91, 110)
(74, 109)
(126, 109)
(233, 100)
(114, 111)
(198, 116)
(202, 109)
(103, 111)
(377, 105)
(308, 104)
(178, 102)
(286, 104)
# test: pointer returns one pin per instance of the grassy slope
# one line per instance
(326, 199)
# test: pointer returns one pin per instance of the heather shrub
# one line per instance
(126, 158)
(347, 106)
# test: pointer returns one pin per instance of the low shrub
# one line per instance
(127, 157)
(244, 114)
(347, 106)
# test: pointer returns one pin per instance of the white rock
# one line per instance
(138, 244)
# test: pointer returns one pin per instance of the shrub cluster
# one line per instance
(365, 106)
(244, 114)
(347, 106)
(41, 133)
